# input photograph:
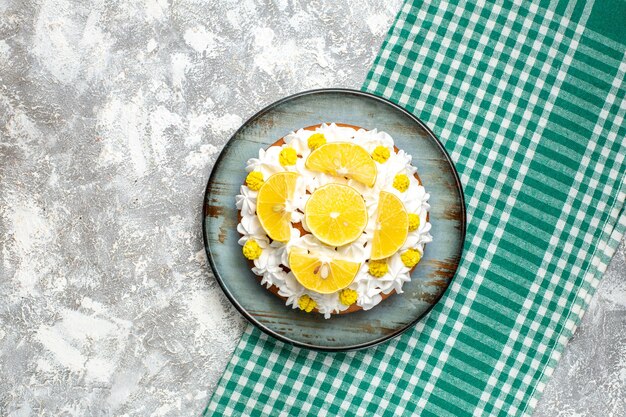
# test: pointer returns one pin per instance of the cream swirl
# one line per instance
(274, 256)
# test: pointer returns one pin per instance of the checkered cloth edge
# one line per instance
(529, 101)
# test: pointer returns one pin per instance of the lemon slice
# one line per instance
(321, 274)
(336, 214)
(272, 205)
(392, 226)
(341, 159)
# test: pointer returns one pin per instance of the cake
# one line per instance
(333, 218)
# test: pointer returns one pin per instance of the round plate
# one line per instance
(356, 330)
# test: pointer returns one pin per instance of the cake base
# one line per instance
(274, 289)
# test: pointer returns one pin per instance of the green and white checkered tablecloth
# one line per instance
(529, 100)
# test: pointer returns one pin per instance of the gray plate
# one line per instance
(357, 330)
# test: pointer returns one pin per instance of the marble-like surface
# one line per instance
(111, 115)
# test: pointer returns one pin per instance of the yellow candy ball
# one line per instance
(306, 303)
(287, 156)
(315, 141)
(414, 222)
(254, 180)
(401, 182)
(411, 257)
(381, 154)
(377, 268)
(348, 296)
(251, 250)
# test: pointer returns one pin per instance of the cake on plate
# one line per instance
(333, 218)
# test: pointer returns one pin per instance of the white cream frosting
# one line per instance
(275, 255)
